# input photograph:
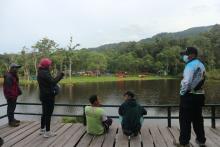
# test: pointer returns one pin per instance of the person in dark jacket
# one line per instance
(48, 90)
(132, 115)
(11, 91)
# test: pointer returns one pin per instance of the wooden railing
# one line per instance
(168, 109)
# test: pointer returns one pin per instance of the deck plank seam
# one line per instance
(162, 135)
(114, 143)
(80, 139)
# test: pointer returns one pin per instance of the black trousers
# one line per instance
(1, 141)
(47, 111)
(191, 112)
(11, 109)
(107, 124)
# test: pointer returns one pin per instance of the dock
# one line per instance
(74, 135)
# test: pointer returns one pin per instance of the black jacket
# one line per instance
(131, 113)
(47, 83)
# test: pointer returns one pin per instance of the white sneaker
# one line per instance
(42, 131)
(48, 134)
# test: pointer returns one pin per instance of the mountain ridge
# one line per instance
(176, 35)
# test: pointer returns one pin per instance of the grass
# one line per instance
(72, 120)
(214, 74)
(76, 80)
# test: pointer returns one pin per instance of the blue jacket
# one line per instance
(193, 74)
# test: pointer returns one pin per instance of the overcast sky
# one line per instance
(97, 22)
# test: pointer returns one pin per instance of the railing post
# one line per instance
(213, 116)
(169, 116)
(84, 116)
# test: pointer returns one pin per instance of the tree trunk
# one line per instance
(35, 66)
(70, 68)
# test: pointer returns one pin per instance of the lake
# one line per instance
(147, 93)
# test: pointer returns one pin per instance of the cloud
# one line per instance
(93, 23)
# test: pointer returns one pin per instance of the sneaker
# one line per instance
(48, 134)
(42, 131)
(200, 143)
(13, 124)
(179, 145)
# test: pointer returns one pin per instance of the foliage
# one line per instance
(77, 80)
(214, 74)
(159, 54)
(72, 120)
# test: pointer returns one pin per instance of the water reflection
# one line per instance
(147, 92)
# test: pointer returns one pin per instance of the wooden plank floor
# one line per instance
(74, 135)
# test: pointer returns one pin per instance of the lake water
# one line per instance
(147, 93)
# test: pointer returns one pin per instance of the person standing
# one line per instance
(48, 90)
(192, 97)
(11, 91)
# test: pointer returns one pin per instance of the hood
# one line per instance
(131, 102)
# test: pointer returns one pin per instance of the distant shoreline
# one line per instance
(93, 79)
(86, 79)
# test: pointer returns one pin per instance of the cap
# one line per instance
(14, 65)
(45, 63)
(189, 51)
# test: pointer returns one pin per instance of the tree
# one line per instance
(169, 57)
(148, 63)
(45, 47)
(24, 59)
(35, 56)
(127, 62)
(96, 61)
(69, 54)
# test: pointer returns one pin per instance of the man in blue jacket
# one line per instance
(192, 98)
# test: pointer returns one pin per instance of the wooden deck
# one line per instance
(69, 135)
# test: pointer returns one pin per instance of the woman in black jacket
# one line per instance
(47, 85)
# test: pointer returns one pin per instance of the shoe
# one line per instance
(42, 131)
(200, 143)
(17, 121)
(13, 124)
(179, 145)
(48, 134)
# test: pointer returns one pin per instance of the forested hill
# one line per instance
(158, 55)
(183, 34)
(178, 35)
